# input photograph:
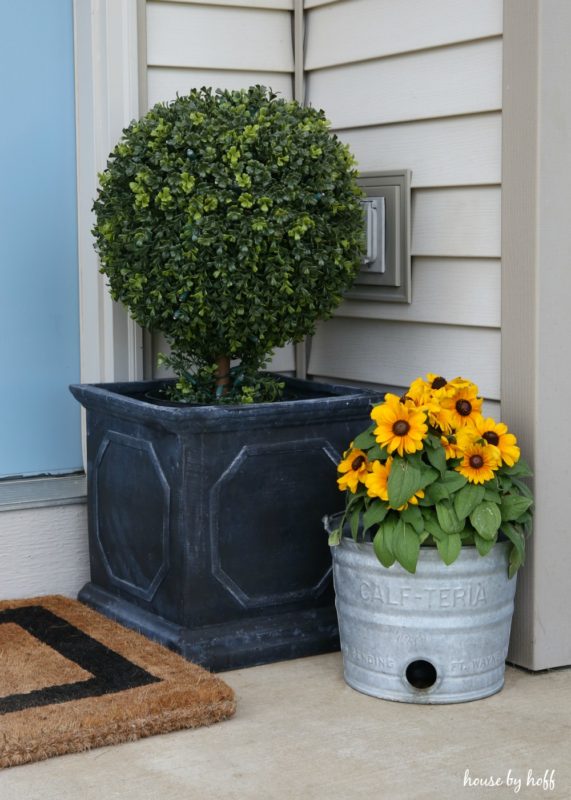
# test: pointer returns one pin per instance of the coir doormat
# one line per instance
(70, 680)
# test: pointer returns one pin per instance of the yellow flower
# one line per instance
(400, 427)
(464, 405)
(377, 484)
(354, 466)
(439, 386)
(466, 437)
(497, 434)
(479, 462)
(376, 481)
(439, 417)
(417, 394)
(427, 394)
(451, 447)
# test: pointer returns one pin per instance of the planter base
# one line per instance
(227, 646)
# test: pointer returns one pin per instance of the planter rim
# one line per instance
(428, 557)
(117, 399)
(430, 553)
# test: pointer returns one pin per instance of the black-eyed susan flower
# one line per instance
(439, 386)
(497, 434)
(354, 468)
(479, 462)
(426, 394)
(463, 405)
(400, 427)
(417, 394)
(451, 447)
(377, 480)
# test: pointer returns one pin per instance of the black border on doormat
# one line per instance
(111, 671)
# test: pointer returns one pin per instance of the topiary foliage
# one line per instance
(230, 221)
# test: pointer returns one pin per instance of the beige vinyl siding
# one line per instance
(228, 45)
(168, 82)
(453, 151)
(284, 5)
(358, 30)
(456, 222)
(417, 85)
(360, 348)
(447, 81)
(440, 283)
(218, 37)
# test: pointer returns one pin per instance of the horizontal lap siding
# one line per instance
(460, 79)
(227, 45)
(165, 82)
(450, 291)
(284, 5)
(218, 37)
(356, 30)
(397, 352)
(417, 84)
(454, 151)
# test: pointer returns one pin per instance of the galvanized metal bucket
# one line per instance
(439, 636)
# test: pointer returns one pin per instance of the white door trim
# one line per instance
(110, 45)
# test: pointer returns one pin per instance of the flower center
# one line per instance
(464, 408)
(439, 383)
(401, 427)
(491, 437)
(476, 461)
(357, 463)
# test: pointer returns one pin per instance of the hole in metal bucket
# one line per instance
(421, 674)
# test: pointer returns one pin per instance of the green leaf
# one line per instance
(447, 517)
(404, 481)
(423, 536)
(382, 547)
(388, 526)
(374, 515)
(449, 547)
(453, 481)
(466, 500)
(484, 545)
(413, 516)
(365, 439)
(492, 495)
(406, 545)
(428, 476)
(514, 506)
(437, 492)
(522, 488)
(520, 469)
(432, 526)
(335, 537)
(517, 551)
(432, 441)
(505, 483)
(354, 520)
(486, 518)
(376, 452)
(437, 458)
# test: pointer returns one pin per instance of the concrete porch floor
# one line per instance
(300, 733)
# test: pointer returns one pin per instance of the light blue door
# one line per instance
(39, 315)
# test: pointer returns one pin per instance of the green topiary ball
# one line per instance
(231, 222)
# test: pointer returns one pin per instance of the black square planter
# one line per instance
(205, 527)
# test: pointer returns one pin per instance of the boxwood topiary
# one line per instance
(231, 222)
